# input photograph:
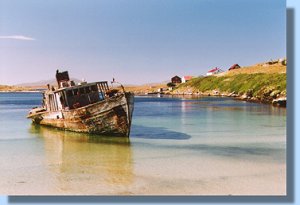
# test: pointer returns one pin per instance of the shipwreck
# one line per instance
(85, 107)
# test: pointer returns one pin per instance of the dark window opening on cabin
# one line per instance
(94, 88)
(87, 90)
(69, 93)
(82, 96)
(81, 91)
(63, 101)
(75, 92)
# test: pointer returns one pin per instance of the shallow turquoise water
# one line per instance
(178, 145)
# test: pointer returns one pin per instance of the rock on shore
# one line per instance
(268, 95)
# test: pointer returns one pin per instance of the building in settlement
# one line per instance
(235, 66)
(216, 70)
(186, 78)
(176, 80)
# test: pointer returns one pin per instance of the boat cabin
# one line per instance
(70, 96)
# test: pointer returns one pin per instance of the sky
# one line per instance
(136, 41)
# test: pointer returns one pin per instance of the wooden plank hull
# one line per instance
(111, 116)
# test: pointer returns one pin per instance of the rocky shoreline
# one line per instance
(268, 96)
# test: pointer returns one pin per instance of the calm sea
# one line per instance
(178, 145)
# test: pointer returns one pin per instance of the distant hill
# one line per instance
(43, 83)
(147, 84)
(9, 88)
(146, 88)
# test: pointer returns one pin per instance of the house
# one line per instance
(214, 71)
(186, 78)
(282, 61)
(176, 80)
(235, 66)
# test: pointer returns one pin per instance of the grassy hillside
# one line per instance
(258, 82)
(258, 68)
(240, 83)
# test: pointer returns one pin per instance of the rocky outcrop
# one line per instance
(281, 102)
(268, 95)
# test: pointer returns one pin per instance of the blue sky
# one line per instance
(136, 41)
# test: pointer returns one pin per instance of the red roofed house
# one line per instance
(235, 66)
(214, 71)
(186, 78)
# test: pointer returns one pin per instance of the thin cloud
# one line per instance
(18, 37)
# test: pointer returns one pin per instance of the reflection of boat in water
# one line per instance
(83, 163)
(86, 107)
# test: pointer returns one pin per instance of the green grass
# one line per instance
(240, 83)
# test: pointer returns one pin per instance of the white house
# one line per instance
(214, 71)
(186, 78)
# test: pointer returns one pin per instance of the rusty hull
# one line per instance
(111, 116)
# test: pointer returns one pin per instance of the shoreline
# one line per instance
(278, 102)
